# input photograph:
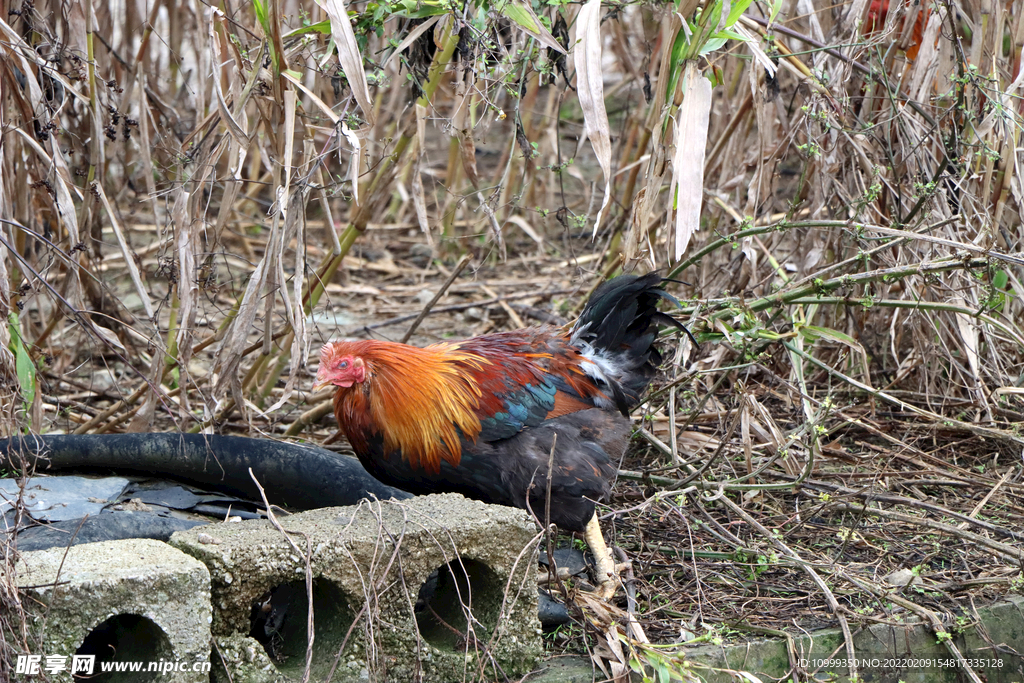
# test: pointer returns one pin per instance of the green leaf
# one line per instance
(664, 675)
(522, 14)
(712, 44)
(1000, 279)
(320, 27)
(736, 11)
(729, 35)
(419, 10)
(23, 361)
(711, 16)
(813, 332)
(776, 8)
(674, 64)
(261, 16)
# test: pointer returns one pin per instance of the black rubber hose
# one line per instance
(293, 476)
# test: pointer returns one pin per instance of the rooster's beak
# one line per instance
(320, 383)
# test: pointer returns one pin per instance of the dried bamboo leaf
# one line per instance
(590, 90)
(318, 177)
(419, 202)
(229, 355)
(969, 335)
(760, 182)
(15, 47)
(349, 57)
(236, 129)
(144, 143)
(284, 205)
(637, 246)
(655, 171)
(752, 44)
(691, 137)
(187, 241)
(236, 164)
(467, 151)
(353, 137)
(105, 335)
(410, 39)
(922, 73)
(143, 420)
(65, 206)
(133, 268)
(523, 225)
(184, 241)
(297, 319)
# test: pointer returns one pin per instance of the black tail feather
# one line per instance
(621, 320)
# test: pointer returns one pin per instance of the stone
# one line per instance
(123, 601)
(392, 585)
(55, 499)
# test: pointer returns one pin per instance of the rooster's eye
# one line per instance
(342, 365)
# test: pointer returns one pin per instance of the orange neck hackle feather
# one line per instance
(419, 400)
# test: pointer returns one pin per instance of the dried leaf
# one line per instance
(410, 39)
(590, 89)
(107, 336)
(349, 57)
(236, 129)
(637, 245)
(143, 420)
(185, 240)
(752, 44)
(419, 202)
(300, 332)
(521, 223)
(467, 151)
(353, 137)
(330, 229)
(691, 138)
(65, 206)
(133, 268)
(229, 356)
(969, 334)
(926, 65)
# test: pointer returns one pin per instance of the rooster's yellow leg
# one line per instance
(605, 571)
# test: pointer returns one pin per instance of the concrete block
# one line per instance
(435, 588)
(122, 601)
(888, 653)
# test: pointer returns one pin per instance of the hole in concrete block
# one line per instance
(278, 621)
(126, 638)
(459, 601)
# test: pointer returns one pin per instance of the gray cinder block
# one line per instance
(435, 588)
(122, 601)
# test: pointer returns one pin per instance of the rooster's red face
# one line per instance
(339, 369)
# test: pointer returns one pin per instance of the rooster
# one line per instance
(481, 417)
